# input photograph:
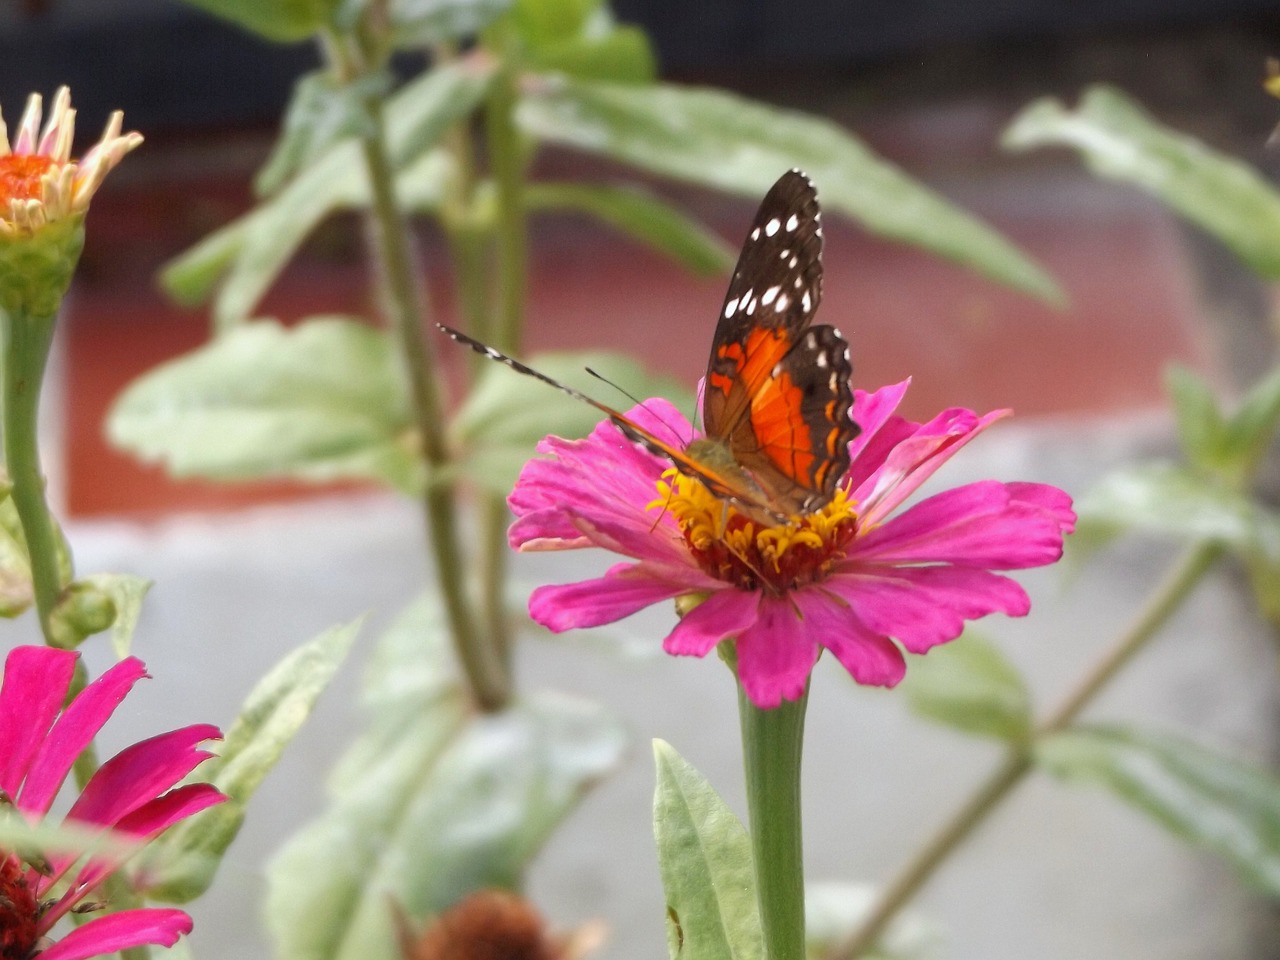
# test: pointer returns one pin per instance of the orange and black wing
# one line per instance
(777, 389)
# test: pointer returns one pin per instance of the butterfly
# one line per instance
(776, 398)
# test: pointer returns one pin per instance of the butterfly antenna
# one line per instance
(634, 399)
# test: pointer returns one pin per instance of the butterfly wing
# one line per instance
(777, 390)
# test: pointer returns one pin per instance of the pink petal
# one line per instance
(725, 613)
(75, 730)
(120, 931)
(921, 607)
(150, 820)
(913, 460)
(984, 524)
(625, 589)
(140, 773)
(776, 653)
(880, 430)
(35, 684)
(870, 657)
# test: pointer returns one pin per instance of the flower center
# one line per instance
(19, 912)
(20, 177)
(740, 550)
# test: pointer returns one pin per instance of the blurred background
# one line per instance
(246, 572)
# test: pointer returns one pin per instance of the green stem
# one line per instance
(26, 350)
(507, 163)
(771, 749)
(1155, 613)
(406, 306)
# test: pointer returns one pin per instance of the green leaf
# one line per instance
(431, 802)
(542, 23)
(321, 401)
(284, 21)
(833, 911)
(969, 685)
(1174, 501)
(505, 415)
(1252, 429)
(425, 23)
(126, 591)
(641, 215)
(730, 143)
(1200, 795)
(623, 55)
(321, 113)
(1120, 141)
(272, 714)
(249, 253)
(704, 854)
(1201, 429)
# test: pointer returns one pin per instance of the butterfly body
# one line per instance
(776, 396)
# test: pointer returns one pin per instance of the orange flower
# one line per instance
(39, 182)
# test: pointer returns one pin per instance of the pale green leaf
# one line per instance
(425, 23)
(505, 416)
(321, 113)
(321, 401)
(1251, 430)
(968, 684)
(284, 21)
(126, 591)
(1200, 795)
(541, 23)
(248, 254)
(623, 55)
(16, 591)
(730, 143)
(1201, 429)
(1121, 141)
(1173, 501)
(433, 801)
(187, 858)
(704, 855)
(641, 215)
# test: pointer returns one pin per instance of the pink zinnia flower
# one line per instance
(851, 577)
(132, 794)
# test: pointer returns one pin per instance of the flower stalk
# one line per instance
(772, 742)
(1163, 603)
(27, 340)
(406, 306)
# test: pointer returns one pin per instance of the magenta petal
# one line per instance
(140, 773)
(870, 657)
(35, 684)
(1056, 503)
(120, 931)
(625, 589)
(724, 613)
(777, 653)
(75, 730)
(913, 460)
(879, 432)
(924, 606)
(977, 525)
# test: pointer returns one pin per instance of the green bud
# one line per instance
(82, 611)
(36, 268)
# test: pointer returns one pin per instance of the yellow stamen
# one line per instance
(734, 547)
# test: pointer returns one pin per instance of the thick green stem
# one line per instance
(1155, 613)
(26, 350)
(406, 306)
(772, 741)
